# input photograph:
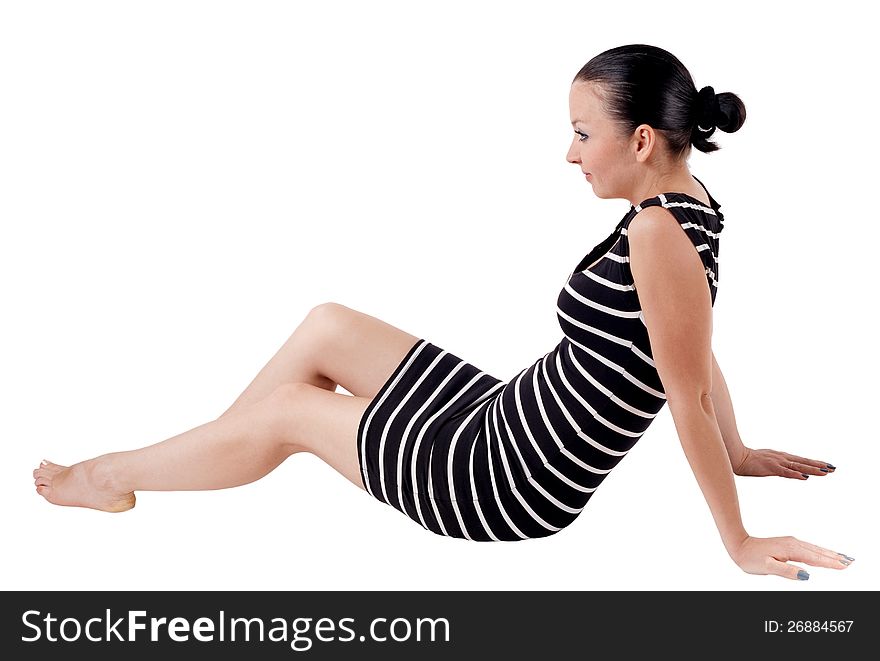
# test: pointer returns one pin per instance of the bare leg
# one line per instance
(231, 451)
(333, 345)
(235, 449)
(286, 409)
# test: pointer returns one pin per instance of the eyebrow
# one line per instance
(578, 120)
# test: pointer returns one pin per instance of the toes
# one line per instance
(43, 475)
(43, 472)
(48, 493)
(47, 468)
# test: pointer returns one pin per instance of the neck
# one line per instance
(680, 181)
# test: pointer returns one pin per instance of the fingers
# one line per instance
(790, 466)
(817, 556)
(811, 466)
(794, 474)
(788, 571)
(796, 471)
(841, 559)
(780, 552)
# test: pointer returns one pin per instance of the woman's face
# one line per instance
(595, 146)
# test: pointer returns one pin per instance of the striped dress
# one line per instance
(470, 456)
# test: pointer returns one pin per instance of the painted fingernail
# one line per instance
(824, 470)
(846, 556)
(802, 575)
(830, 466)
(805, 475)
(844, 562)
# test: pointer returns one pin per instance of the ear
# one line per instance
(645, 140)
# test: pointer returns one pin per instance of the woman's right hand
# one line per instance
(771, 555)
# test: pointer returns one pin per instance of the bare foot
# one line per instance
(86, 484)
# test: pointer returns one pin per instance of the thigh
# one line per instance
(357, 351)
(324, 423)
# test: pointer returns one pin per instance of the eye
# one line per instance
(583, 137)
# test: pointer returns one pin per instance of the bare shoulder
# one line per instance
(659, 247)
(653, 223)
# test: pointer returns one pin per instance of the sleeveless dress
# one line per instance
(467, 455)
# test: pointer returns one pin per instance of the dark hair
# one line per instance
(641, 84)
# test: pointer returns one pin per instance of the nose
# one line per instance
(572, 155)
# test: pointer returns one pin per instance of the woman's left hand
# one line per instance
(761, 463)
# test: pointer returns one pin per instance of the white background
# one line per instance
(180, 182)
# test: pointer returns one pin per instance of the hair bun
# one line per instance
(707, 111)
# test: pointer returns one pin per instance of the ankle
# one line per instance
(107, 472)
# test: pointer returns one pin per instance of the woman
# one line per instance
(467, 455)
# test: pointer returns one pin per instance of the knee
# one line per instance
(328, 311)
(328, 316)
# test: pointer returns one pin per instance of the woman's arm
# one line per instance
(677, 307)
(695, 422)
(736, 451)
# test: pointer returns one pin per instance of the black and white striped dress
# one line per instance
(467, 455)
